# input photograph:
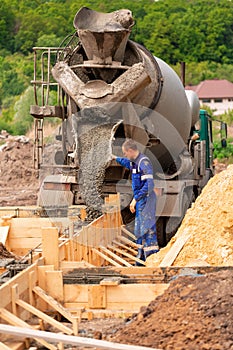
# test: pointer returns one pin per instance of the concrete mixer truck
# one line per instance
(110, 88)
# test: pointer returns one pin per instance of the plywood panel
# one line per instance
(54, 284)
(76, 293)
(25, 226)
(128, 297)
(50, 250)
(97, 297)
(24, 243)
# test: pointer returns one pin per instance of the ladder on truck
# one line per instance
(38, 142)
(43, 83)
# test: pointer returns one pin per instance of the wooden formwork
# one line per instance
(39, 290)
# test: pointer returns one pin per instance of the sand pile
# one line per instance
(210, 223)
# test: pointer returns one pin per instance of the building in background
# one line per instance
(216, 94)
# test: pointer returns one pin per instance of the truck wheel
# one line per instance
(173, 223)
(160, 230)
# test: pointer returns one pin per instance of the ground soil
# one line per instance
(19, 184)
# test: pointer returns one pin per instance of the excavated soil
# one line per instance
(19, 184)
(4, 253)
(194, 313)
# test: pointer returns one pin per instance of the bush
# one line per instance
(223, 153)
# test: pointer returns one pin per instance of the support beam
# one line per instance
(50, 249)
(127, 241)
(44, 317)
(14, 320)
(125, 247)
(58, 307)
(116, 257)
(127, 254)
(113, 262)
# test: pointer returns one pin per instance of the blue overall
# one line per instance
(143, 190)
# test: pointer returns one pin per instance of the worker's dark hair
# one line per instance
(130, 144)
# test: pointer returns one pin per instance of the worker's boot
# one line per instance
(140, 256)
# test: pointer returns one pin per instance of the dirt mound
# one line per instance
(194, 313)
(4, 253)
(210, 225)
(19, 184)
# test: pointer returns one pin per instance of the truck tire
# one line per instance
(161, 232)
(173, 223)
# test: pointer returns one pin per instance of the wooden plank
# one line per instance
(22, 279)
(127, 254)
(70, 265)
(15, 321)
(97, 297)
(41, 304)
(116, 257)
(54, 284)
(128, 233)
(111, 281)
(104, 313)
(15, 345)
(31, 284)
(44, 317)
(4, 230)
(53, 303)
(127, 241)
(14, 296)
(4, 347)
(68, 339)
(135, 295)
(28, 227)
(174, 251)
(58, 307)
(138, 294)
(50, 249)
(130, 249)
(111, 261)
(23, 243)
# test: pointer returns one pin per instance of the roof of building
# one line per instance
(213, 89)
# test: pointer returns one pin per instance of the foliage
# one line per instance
(223, 153)
(23, 121)
(15, 73)
(199, 32)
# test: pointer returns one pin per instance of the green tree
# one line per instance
(22, 120)
(7, 26)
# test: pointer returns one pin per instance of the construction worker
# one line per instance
(144, 198)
